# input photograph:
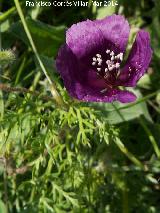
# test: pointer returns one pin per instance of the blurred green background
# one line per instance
(83, 157)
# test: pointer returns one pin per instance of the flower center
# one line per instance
(108, 67)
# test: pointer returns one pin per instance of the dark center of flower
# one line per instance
(108, 67)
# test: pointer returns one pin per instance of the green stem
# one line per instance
(157, 109)
(54, 92)
(137, 102)
(5, 15)
(128, 154)
(4, 87)
(1, 93)
(118, 112)
(150, 136)
(21, 67)
(125, 200)
(5, 185)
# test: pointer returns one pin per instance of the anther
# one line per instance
(94, 59)
(112, 53)
(94, 63)
(111, 68)
(112, 58)
(99, 63)
(98, 55)
(121, 56)
(98, 69)
(117, 56)
(107, 51)
(106, 70)
(108, 62)
(117, 65)
(99, 59)
(111, 64)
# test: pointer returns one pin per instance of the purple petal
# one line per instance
(125, 96)
(138, 60)
(84, 37)
(93, 80)
(115, 29)
(110, 96)
(66, 64)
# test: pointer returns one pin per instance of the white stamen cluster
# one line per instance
(112, 64)
(97, 61)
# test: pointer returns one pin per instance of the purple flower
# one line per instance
(90, 62)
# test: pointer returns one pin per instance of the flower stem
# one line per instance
(6, 88)
(53, 90)
(125, 200)
(128, 154)
(137, 102)
(6, 14)
(150, 136)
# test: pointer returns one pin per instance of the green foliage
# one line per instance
(6, 56)
(75, 157)
(53, 36)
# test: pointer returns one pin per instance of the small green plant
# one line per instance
(6, 57)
